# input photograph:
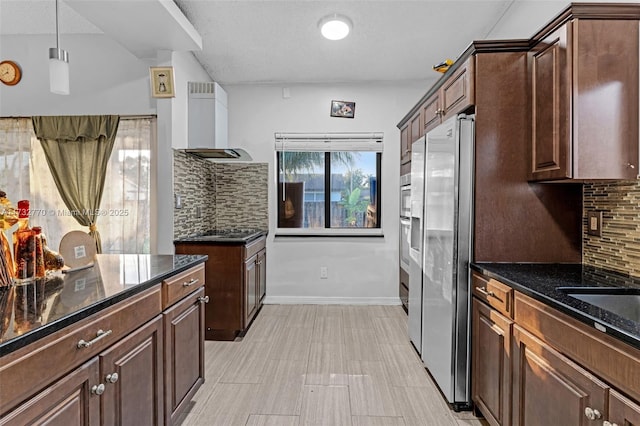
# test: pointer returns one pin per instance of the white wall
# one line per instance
(361, 270)
(106, 79)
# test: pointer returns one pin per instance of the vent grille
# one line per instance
(202, 88)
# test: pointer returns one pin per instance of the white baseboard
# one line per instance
(311, 300)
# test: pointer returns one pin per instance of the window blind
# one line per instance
(329, 142)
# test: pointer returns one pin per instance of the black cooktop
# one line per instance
(225, 235)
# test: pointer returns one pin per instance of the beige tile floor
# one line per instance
(320, 365)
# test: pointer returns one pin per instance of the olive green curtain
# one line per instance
(77, 149)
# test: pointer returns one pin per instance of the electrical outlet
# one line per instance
(324, 272)
(198, 212)
(594, 223)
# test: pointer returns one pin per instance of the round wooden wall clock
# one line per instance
(10, 73)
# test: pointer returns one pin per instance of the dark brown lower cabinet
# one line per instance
(236, 284)
(491, 366)
(69, 401)
(144, 371)
(132, 373)
(121, 386)
(622, 411)
(550, 389)
(183, 353)
(262, 273)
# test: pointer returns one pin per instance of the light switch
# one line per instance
(594, 223)
(178, 203)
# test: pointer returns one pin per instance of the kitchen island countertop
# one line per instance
(544, 282)
(32, 311)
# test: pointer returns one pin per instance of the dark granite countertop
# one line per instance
(225, 236)
(542, 282)
(31, 311)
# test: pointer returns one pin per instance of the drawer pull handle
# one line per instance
(607, 423)
(203, 299)
(112, 378)
(191, 282)
(101, 334)
(98, 389)
(483, 290)
(592, 414)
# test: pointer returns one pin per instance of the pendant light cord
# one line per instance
(57, 32)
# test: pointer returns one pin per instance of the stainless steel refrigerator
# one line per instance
(415, 243)
(446, 247)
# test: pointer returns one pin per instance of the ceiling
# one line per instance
(268, 41)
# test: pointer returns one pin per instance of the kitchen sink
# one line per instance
(622, 301)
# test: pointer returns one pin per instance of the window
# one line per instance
(125, 221)
(328, 183)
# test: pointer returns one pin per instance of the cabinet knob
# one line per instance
(112, 378)
(592, 414)
(203, 299)
(98, 389)
(608, 423)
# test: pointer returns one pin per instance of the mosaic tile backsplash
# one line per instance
(618, 248)
(229, 195)
(241, 195)
(193, 180)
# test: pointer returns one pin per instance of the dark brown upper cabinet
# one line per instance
(584, 94)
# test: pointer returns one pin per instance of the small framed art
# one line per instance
(162, 82)
(343, 109)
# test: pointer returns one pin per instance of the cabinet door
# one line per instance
(262, 274)
(416, 126)
(432, 113)
(183, 353)
(551, 155)
(491, 355)
(457, 93)
(622, 411)
(549, 389)
(405, 145)
(250, 294)
(135, 395)
(69, 401)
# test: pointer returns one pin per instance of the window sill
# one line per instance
(329, 233)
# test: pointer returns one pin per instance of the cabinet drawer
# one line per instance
(29, 369)
(497, 295)
(254, 247)
(178, 286)
(612, 360)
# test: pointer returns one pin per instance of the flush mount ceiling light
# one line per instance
(58, 65)
(335, 27)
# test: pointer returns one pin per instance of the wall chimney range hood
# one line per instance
(218, 154)
(207, 124)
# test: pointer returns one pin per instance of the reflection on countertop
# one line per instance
(548, 283)
(33, 310)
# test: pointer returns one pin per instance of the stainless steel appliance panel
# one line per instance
(446, 246)
(415, 244)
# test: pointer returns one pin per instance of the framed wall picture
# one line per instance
(343, 109)
(162, 82)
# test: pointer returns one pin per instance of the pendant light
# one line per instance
(58, 65)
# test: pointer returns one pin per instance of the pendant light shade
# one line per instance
(58, 65)
(335, 27)
(58, 71)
